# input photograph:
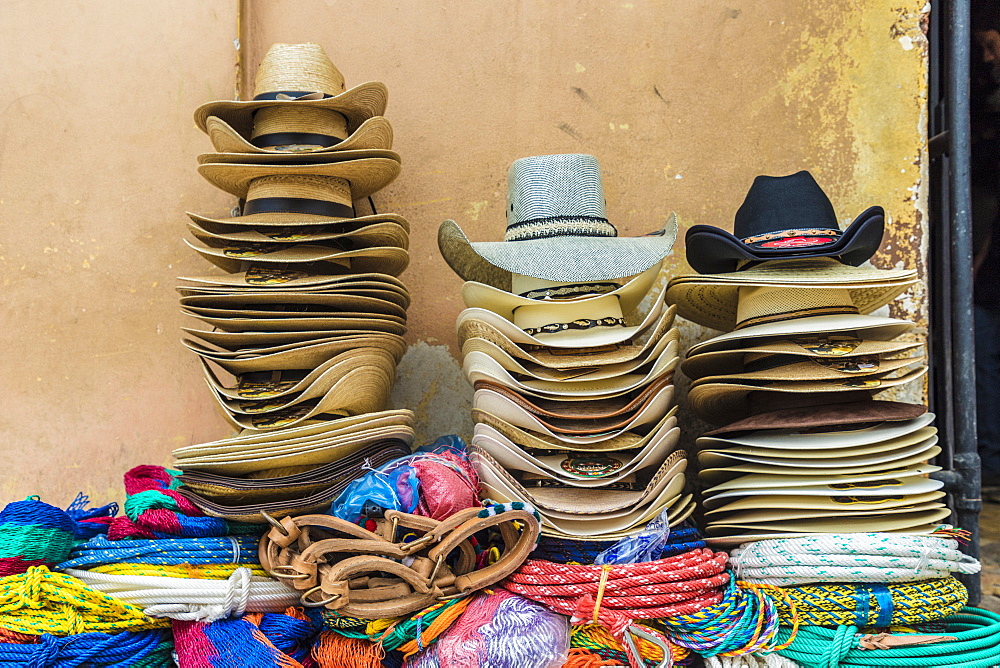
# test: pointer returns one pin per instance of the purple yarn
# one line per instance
(519, 634)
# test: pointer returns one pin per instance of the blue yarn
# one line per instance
(168, 551)
(118, 650)
(79, 513)
(292, 636)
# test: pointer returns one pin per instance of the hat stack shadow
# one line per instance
(302, 328)
(571, 352)
(805, 444)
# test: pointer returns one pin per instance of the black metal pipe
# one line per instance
(967, 499)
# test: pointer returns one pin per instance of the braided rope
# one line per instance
(145, 649)
(976, 644)
(867, 557)
(208, 571)
(395, 633)
(867, 605)
(40, 601)
(741, 623)
(194, 599)
(750, 661)
(169, 551)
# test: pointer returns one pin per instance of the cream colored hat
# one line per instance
(600, 322)
(541, 442)
(531, 292)
(638, 350)
(818, 369)
(235, 257)
(294, 77)
(813, 438)
(776, 291)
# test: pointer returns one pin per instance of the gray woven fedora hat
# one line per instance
(557, 230)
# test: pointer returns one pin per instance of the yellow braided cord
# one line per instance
(203, 572)
(595, 636)
(841, 604)
(40, 601)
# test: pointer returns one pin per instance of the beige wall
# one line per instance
(683, 102)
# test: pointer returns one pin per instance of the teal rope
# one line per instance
(977, 645)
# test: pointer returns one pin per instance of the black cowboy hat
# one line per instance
(782, 218)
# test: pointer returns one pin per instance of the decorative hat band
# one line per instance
(549, 317)
(571, 291)
(798, 238)
(292, 95)
(560, 226)
(766, 362)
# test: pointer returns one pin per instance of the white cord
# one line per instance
(858, 557)
(750, 661)
(194, 599)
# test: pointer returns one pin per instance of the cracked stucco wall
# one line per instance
(682, 102)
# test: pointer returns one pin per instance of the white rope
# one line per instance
(750, 661)
(194, 599)
(857, 557)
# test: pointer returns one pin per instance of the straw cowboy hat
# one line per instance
(638, 350)
(290, 78)
(531, 292)
(260, 278)
(301, 129)
(575, 468)
(815, 369)
(803, 427)
(557, 230)
(233, 257)
(820, 349)
(282, 201)
(599, 322)
(838, 483)
(795, 288)
(784, 217)
(720, 403)
(365, 176)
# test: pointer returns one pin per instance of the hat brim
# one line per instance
(366, 176)
(894, 420)
(358, 104)
(503, 303)
(811, 370)
(571, 338)
(379, 260)
(715, 304)
(712, 250)
(563, 467)
(570, 259)
(296, 355)
(299, 221)
(373, 133)
(382, 234)
(275, 278)
(726, 362)
(874, 523)
(719, 403)
(792, 481)
(823, 503)
(541, 442)
(864, 327)
(640, 347)
(334, 303)
(831, 449)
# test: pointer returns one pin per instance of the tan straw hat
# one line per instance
(235, 257)
(819, 348)
(283, 204)
(719, 403)
(835, 425)
(296, 76)
(816, 369)
(294, 304)
(303, 129)
(365, 176)
(728, 305)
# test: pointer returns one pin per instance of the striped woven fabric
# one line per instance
(258, 640)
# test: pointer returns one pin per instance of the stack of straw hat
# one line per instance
(305, 327)
(573, 377)
(805, 446)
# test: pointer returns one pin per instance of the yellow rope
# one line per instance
(203, 572)
(40, 601)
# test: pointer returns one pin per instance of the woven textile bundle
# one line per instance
(144, 649)
(276, 639)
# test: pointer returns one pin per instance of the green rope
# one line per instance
(977, 645)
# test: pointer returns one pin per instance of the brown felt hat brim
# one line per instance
(856, 412)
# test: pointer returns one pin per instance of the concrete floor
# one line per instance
(989, 542)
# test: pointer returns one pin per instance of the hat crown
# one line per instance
(303, 68)
(556, 195)
(776, 203)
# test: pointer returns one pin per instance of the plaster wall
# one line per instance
(682, 102)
